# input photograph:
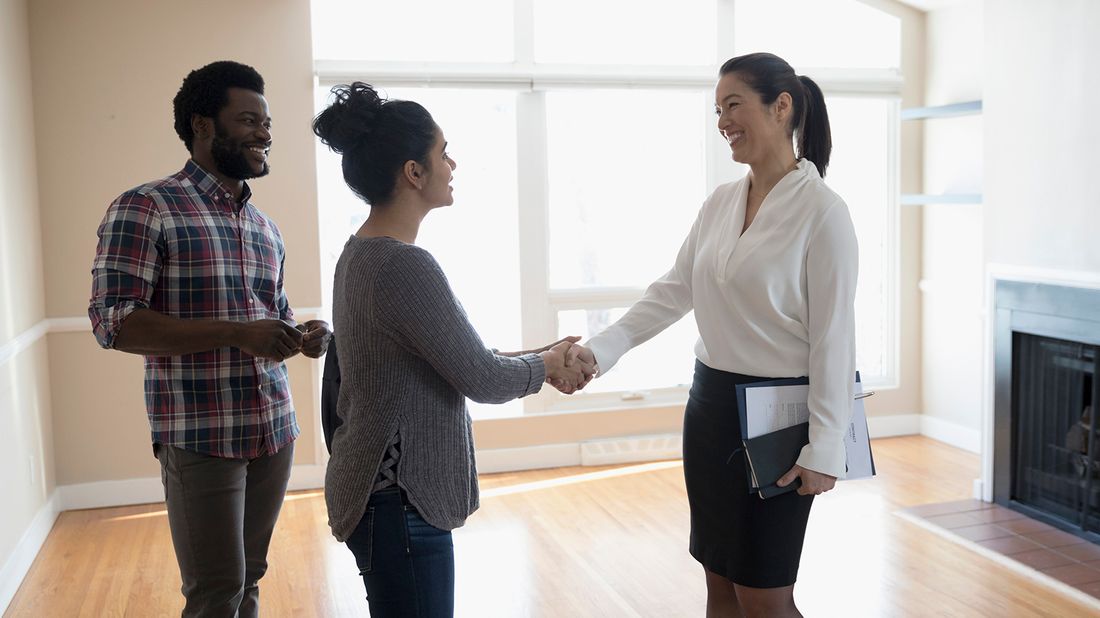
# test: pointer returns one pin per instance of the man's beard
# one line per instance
(231, 157)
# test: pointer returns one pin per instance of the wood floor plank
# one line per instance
(606, 541)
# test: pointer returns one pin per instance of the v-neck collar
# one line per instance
(736, 246)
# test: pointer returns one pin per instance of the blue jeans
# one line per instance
(407, 565)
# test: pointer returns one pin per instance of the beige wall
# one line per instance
(104, 74)
(21, 288)
(1041, 131)
(26, 459)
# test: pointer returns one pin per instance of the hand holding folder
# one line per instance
(771, 455)
(775, 427)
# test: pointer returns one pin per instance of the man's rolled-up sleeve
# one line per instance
(127, 263)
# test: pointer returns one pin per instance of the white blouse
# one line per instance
(777, 301)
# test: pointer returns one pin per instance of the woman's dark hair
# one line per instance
(205, 92)
(769, 75)
(376, 137)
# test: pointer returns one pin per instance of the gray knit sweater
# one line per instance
(408, 359)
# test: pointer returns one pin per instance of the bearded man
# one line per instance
(189, 274)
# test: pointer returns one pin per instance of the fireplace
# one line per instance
(1046, 459)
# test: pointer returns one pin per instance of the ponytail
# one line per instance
(769, 75)
(815, 140)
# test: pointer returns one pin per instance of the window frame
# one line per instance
(539, 303)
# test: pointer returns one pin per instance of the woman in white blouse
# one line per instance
(770, 269)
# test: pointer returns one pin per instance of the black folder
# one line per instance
(769, 456)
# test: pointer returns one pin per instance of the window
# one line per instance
(845, 34)
(585, 148)
(598, 142)
(421, 31)
(621, 32)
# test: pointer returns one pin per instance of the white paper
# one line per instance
(857, 444)
(771, 408)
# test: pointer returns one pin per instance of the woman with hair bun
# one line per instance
(770, 269)
(402, 472)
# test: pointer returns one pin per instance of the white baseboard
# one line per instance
(306, 477)
(954, 434)
(893, 425)
(634, 449)
(149, 489)
(21, 559)
(528, 458)
(630, 449)
(110, 493)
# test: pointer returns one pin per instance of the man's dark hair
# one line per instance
(205, 92)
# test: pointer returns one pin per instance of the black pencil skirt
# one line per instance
(735, 534)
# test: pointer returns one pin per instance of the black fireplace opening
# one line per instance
(1055, 434)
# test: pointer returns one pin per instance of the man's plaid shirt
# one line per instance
(184, 247)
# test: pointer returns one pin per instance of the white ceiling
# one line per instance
(929, 5)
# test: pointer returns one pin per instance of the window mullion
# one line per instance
(892, 250)
(724, 43)
(524, 35)
(539, 321)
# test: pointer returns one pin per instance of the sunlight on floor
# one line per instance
(580, 478)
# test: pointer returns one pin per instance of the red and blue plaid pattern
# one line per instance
(184, 247)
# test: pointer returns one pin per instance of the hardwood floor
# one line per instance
(574, 542)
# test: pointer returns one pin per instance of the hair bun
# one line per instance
(351, 118)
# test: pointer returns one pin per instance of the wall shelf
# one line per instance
(966, 108)
(917, 199)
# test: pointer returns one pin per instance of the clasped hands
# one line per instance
(569, 366)
(279, 340)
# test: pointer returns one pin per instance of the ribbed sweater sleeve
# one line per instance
(416, 302)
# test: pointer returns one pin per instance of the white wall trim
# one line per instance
(639, 448)
(149, 489)
(70, 325)
(47, 326)
(22, 557)
(528, 457)
(100, 494)
(1050, 276)
(956, 435)
(306, 476)
(23, 340)
(893, 425)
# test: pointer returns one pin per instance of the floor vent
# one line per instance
(629, 450)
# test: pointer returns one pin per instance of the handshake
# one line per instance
(569, 366)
